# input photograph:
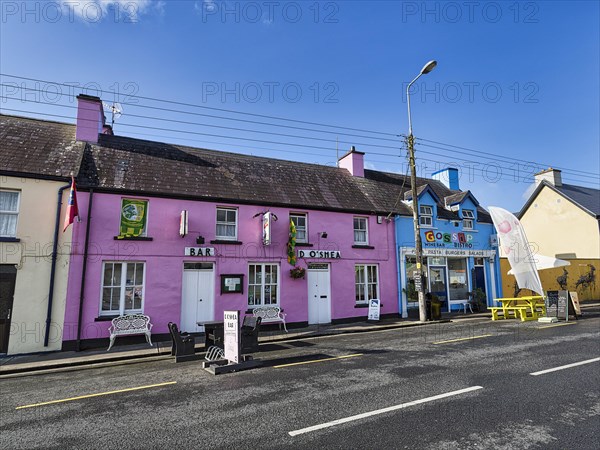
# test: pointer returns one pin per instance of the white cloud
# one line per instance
(125, 11)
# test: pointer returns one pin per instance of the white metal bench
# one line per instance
(270, 314)
(128, 325)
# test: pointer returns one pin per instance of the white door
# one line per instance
(197, 302)
(319, 294)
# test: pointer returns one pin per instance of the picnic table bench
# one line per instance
(526, 308)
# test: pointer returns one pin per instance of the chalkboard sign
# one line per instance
(575, 300)
(559, 304)
(563, 299)
(552, 304)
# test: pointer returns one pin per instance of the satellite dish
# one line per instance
(116, 109)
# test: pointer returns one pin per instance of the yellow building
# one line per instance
(35, 171)
(563, 221)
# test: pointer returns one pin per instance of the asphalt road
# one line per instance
(462, 385)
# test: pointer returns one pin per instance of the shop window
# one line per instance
(301, 227)
(409, 289)
(468, 219)
(426, 215)
(263, 284)
(457, 276)
(122, 288)
(226, 224)
(361, 232)
(9, 213)
(366, 282)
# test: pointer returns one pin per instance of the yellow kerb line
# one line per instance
(96, 395)
(462, 339)
(316, 361)
(557, 325)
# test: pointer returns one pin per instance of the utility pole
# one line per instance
(410, 141)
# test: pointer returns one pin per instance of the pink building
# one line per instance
(178, 234)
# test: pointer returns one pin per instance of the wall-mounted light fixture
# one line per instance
(323, 234)
(183, 223)
(200, 240)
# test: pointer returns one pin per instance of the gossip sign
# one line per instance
(439, 239)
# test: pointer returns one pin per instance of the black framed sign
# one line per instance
(232, 283)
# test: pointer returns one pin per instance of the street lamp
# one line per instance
(413, 181)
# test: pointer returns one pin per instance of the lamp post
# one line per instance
(413, 182)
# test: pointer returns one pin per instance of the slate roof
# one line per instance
(38, 148)
(136, 166)
(586, 198)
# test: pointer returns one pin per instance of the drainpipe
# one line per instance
(53, 264)
(84, 268)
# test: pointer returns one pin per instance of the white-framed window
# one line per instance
(361, 231)
(263, 284)
(366, 282)
(122, 287)
(468, 219)
(426, 215)
(227, 224)
(301, 223)
(9, 212)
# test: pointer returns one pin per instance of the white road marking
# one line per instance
(568, 366)
(382, 411)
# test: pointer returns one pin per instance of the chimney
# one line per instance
(550, 175)
(448, 177)
(353, 162)
(90, 118)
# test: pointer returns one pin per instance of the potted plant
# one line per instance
(297, 272)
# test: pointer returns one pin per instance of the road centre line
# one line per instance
(96, 395)
(557, 325)
(462, 339)
(568, 366)
(382, 411)
(316, 360)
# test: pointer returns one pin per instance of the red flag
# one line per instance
(72, 210)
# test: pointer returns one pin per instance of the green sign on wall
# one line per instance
(134, 214)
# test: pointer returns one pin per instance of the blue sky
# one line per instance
(516, 80)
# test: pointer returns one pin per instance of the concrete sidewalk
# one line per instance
(71, 360)
(22, 365)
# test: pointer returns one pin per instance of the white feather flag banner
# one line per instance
(516, 248)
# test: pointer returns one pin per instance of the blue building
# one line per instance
(460, 251)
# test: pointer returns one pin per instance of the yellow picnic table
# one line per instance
(527, 308)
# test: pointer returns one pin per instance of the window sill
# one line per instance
(9, 239)
(133, 238)
(105, 318)
(225, 241)
(303, 244)
(370, 247)
(365, 305)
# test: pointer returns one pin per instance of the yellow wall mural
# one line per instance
(581, 276)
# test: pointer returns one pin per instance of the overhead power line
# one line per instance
(479, 171)
(452, 149)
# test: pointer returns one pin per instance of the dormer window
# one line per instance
(426, 215)
(468, 219)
